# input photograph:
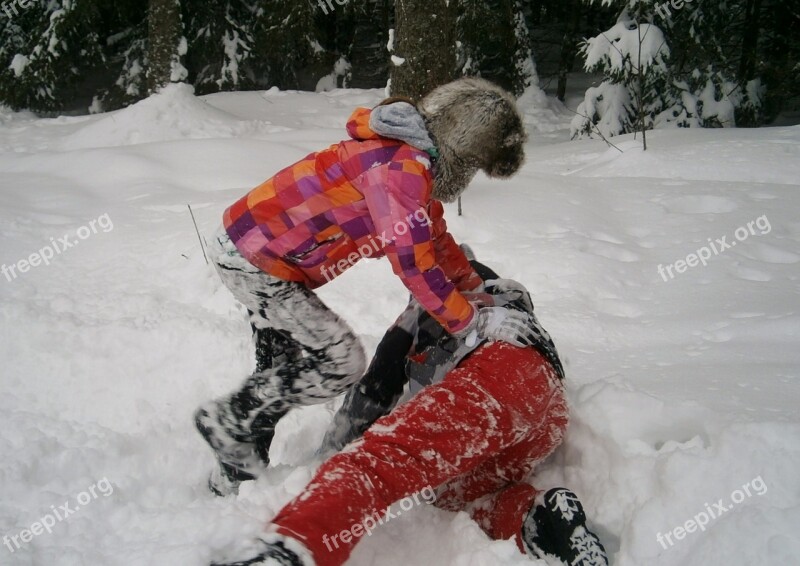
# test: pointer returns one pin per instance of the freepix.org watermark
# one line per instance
(368, 524)
(756, 486)
(57, 246)
(374, 245)
(11, 6)
(325, 4)
(58, 514)
(702, 255)
(663, 9)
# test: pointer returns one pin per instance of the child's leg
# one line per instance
(306, 355)
(495, 493)
(273, 347)
(378, 391)
(480, 409)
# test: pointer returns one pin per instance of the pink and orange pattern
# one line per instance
(359, 198)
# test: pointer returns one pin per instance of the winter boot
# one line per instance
(238, 459)
(281, 551)
(556, 526)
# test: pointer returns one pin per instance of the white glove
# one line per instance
(499, 324)
(507, 290)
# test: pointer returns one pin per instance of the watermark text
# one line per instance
(58, 514)
(376, 244)
(703, 254)
(368, 524)
(756, 486)
(56, 246)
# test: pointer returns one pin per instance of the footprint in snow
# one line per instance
(618, 308)
(749, 274)
(610, 251)
(769, 253)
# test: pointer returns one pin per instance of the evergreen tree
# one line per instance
(557, 28)
(47, 48)
(285, 42)
(494, 43)
(368, 51)
(778, 60)
(220, 44)
(633, 59)
(686, 76)
(127, 26)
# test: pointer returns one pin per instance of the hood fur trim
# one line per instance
(475, 125)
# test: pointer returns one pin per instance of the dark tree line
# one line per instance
(66, 55)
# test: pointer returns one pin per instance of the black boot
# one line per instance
(557, 526)
(270, 554)
(238, 459)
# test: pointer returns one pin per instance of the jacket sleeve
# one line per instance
(396, 194)
(449, 255)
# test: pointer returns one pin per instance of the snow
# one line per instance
(390, 43)
(682, 391)
(18, 64)
(627, 46)
(330, 82)
(610, 102)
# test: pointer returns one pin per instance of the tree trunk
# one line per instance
(425, 40)
(569, 48)
(640, 90)
(165, 32)
(747, 64)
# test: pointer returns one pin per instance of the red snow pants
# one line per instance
(474, 437)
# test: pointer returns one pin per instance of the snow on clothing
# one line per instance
(306, 355)
(416, 350)
(476, 435)
(365, 197)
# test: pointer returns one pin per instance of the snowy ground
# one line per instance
(683, 391)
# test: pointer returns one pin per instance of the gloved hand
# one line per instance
(499, 324)
(508, 290)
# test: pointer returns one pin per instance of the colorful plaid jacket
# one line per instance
(365, 197)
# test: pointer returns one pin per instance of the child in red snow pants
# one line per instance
(475, 437)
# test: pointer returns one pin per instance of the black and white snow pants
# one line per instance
(305, 353)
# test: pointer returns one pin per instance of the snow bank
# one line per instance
(173, 114)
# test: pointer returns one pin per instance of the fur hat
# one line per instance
(475, 125)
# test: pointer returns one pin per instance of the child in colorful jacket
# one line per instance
(468, 441)
(378, 194)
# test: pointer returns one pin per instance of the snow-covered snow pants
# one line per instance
(305, 353)
(475, 437)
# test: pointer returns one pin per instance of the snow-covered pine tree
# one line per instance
(632, 56)
(13, 40)
(711, 84)
(220, 44)
(47, 48)
(494, 43)
(694, 82)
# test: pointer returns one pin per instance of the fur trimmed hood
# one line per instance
(475, 125)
